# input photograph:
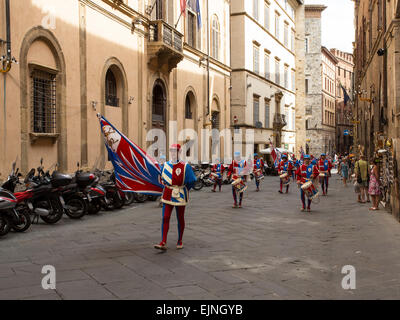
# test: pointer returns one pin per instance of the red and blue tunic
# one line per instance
(324, 165)
(218, 169)
(258, 164)
(306, 173)
(237, 169)
(177, 178)
(285, 167)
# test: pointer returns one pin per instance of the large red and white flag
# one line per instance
(183, 7)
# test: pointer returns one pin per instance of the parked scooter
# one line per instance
(20, 219)
(43, 196)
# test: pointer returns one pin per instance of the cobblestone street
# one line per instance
(267, 250)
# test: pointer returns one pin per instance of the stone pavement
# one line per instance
(267, 250)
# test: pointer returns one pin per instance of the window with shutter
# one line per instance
(267, 115)
(256, 109)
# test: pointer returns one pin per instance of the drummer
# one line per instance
(324, 166)
(285, 167)
(306, 172)
(218, 170)
(258, 169)
(237, 170)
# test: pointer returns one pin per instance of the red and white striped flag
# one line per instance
(183, 7)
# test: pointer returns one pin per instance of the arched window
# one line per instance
(111, 89)
(215, 36)
(188, 108)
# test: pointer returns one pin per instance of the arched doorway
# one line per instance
(159, 106)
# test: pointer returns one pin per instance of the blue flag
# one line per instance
(198, 11)
(346, 96)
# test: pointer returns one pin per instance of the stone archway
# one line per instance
(40, 34)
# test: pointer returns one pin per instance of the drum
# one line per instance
(309, 190)
(239, 185)
(285, 179)
(322, 175)
(214, 176)
(258, 174)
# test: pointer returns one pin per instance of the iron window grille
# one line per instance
(44, 102)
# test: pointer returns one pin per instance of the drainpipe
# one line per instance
(385, 61)
(7, 69)
(8, 39)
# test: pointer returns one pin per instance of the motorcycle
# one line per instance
(20, 219)
(114, 198)
(7, 204)
(74, 196)
(43, 196)
(203, 180)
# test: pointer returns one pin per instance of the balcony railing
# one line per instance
(165, 47)
(280, 120)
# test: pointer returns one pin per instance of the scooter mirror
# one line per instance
(29, 175)
(41, 161)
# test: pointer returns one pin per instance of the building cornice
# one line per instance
(263, 79)
(329, 54)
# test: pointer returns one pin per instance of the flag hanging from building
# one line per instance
(135, 171)
(346, 96)
(198, 12)
(183, 7)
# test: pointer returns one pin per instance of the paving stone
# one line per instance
(267, 250)
(83, 290)
(182, 291)
(109, 274)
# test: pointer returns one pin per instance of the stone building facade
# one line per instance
(320, 86)
(127, 59)
(344, 118)
(377, 84)
(264, 69)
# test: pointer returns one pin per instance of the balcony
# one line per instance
(279, 121)
(165, 46)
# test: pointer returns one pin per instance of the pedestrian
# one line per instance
(361, 171)
(307, 172)
(374, 186)
(178, 178)
(344, 171)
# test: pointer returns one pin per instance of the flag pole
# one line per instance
(176, 25)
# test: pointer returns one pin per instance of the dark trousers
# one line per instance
(234, 193)
(303, 200)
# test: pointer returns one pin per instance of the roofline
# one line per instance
(315, 7)
(330, 54)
